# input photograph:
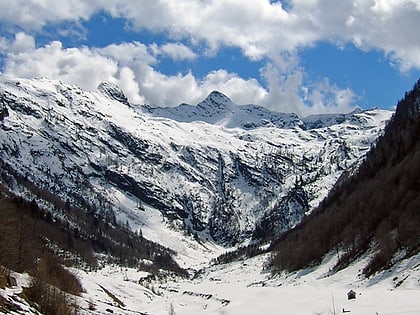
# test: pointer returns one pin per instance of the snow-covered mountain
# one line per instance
(217, 170)
(218, 109)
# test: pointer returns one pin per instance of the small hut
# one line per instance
(351, 295)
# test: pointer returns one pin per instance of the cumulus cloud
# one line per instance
(127, 82)
(260, 28)
(21, 43)
(241, 91)
(130, 65)
(325, 97)
(175, 51)
(75, 65)
(283, 90)
(33, 15)
(387, 25)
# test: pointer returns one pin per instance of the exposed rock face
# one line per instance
(4, 102)
(113, 92)
(3, 111)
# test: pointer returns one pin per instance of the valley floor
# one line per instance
(241, 288)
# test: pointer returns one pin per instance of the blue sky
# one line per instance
(369, 74)
(303, 56)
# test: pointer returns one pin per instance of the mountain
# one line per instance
(218, 109)
(89, 180)
(374, 212)
(219, 171)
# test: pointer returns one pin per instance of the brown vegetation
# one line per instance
(53, 288)
(24, 228)
(80, 232)
(41, 240)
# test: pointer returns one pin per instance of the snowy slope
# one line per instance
(219, 171)
(244, 287)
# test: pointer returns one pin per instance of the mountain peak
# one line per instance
(216, 105)
(218, 98)
(113, 91)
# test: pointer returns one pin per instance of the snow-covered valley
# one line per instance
(245, 288)
(248, 287)
(242, 287)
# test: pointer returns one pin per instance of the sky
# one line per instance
(301, 56)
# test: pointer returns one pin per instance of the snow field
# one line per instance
(243, 288)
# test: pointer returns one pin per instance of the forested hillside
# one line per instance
(39, 242)
(377, 209)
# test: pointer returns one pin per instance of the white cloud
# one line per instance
(283, 91)
(288, 93)
(130, 65)
(325, 97)
(127, 82)
(241, 91)
(263, 30)
(75, 65)
(128, 53)
(4, 45)
(163, 90)
(21, 43)
(387, 25)
(258, 27)
(126, 64)
(33, 15)
(176, 51)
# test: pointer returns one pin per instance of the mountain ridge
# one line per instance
(217, 108)
(218, 183)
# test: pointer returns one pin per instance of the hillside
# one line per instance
(376, 210)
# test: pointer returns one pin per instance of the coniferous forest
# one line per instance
(377, 209)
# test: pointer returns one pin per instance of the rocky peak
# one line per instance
(218, 98)
(3, 109)
(113, 91)
(216, 104)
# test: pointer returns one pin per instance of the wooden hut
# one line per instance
(351, 295)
